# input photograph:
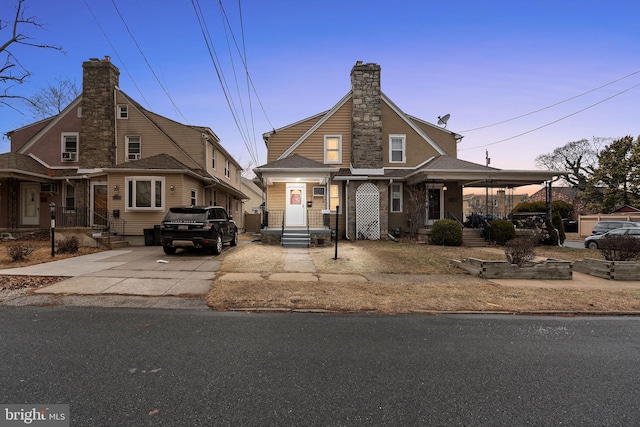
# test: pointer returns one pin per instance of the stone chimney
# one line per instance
(366, 117)
(97, 135)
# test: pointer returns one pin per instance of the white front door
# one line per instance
(30, 206)
(296, 205)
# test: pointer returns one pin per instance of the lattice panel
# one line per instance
(367, 212)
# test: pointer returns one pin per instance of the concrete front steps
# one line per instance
(111, 242)
(472, 238)
(295, 238)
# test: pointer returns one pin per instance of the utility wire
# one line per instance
(147, 62)
(553, 122)
(552, 105)
(117, 55)
(214, 59)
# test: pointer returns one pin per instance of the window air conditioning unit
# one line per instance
(48, 188)
(318, 191)
(133, 156)
(68, 156)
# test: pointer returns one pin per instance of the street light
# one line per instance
(52, 208)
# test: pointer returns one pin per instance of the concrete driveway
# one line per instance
(142, 270)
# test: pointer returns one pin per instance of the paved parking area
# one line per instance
(143, 270)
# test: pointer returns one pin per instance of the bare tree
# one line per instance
(12, 72)
(417, 208)
(577, 157)
(51, 100)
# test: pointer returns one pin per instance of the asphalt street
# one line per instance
(133, 367)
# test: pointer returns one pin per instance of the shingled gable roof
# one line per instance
(22, 164)
(164, 162)
(451, 164)
(328, 114)
(297, 162)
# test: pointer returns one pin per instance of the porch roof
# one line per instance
(468, 174)
(166, 163)
(295, 168)
(16, 165)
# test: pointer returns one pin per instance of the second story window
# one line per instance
(213, 159)
(134, 147)
(333, 149)
(227, 168)
(397, 149)
(194, 197)
(123, 111)
(69, 147)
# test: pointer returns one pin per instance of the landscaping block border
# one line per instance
(610, 270)
(549, 269)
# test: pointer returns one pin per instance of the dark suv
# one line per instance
(198, 227)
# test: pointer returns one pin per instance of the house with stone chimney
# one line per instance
(369, 167)
(107, 164)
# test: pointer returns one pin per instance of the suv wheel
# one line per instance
(218, 247)
(234, 239)
(169, 250)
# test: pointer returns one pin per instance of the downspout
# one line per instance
(346, 212)
(115, 124)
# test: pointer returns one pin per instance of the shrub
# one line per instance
(620, 247)
(69, 245)
(446, 232)
(499, 231)
(553, 232)
(19, 251)
(520, 250)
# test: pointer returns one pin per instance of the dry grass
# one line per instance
(434, 284)
(41, 253)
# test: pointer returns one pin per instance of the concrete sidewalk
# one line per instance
(136, 271)
(147, 271)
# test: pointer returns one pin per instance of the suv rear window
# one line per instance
(186, 215)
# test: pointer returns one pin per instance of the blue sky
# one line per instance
(481, 62)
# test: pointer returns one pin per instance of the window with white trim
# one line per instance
(334, 197)
(213, 158)
(396, 197)
(70, 146)
(333, 148)
(145, 192)
(397, 148)
(194, 197)
(227, 168)
(123, 111)
(134, 147)
(69, 197)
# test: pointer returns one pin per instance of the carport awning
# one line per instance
(482, 178)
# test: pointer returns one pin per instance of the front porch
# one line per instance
(315, 232)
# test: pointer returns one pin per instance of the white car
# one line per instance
(592, 242)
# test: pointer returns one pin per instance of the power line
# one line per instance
(552, 105)
(218, 68)
(553, 122)
(147, 62)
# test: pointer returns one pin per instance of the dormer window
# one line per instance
(69, 147)
(134, 147)
(123, 111)
(397, 149)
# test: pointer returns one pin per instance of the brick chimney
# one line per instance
(366, 117)
(97, 135)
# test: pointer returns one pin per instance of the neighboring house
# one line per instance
(369, 159)
(106, 162)
(255, 203)
(499, 204)
(566, 194)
